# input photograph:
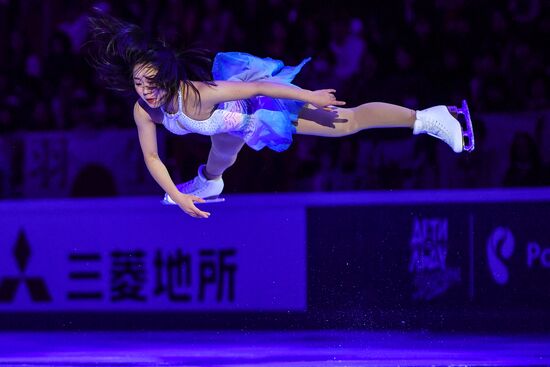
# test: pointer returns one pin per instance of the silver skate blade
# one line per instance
(212, 200)
(206, 201)
(468, 133)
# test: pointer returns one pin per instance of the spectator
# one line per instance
(410, 52)
(525, 167)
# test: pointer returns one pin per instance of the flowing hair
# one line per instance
(117, 47)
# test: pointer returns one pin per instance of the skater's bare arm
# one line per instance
(148, 142)
(230, 91)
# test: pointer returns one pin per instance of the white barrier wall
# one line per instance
(136, 254)
(433, 251)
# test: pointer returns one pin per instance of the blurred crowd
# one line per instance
(415, 53)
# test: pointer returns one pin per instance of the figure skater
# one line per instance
(238, 99)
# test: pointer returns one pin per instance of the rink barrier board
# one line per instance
(396, 254)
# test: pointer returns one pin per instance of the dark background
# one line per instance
(413, 53)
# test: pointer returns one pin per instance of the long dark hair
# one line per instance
(116, 47)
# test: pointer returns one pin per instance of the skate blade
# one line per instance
(468, 140)
(212, 200)
(206, 201)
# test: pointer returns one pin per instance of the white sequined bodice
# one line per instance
(228, 117)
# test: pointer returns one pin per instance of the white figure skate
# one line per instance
(442, 122)
(200, 186)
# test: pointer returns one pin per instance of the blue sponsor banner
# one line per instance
(389, 257)
(513, 255)
(136, 254)
(440, 250)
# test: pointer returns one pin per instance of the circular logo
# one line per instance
(500, 245)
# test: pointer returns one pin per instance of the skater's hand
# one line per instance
(325, 97)
(187, 204)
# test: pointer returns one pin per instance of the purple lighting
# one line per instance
(272, 349)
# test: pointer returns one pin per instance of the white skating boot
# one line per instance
(199, 186)
(439, 122)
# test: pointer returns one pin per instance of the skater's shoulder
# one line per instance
(145, 113)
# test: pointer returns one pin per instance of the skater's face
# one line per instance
(149, 93)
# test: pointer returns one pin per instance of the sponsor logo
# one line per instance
(537, 255)
(36, 286)
(428, 263)
(500, 247)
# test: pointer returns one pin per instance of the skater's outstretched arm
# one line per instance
(148, 142)
(212, 95)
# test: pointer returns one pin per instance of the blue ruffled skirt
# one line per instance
(272, 118)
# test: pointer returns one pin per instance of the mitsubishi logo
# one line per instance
(10, 284)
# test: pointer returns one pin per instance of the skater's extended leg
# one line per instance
(209, 183)
(335, 122)
(223, 154)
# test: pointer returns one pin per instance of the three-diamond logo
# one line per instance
(500, 245)
(10, 284)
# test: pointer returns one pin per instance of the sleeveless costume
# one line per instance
(260, 121)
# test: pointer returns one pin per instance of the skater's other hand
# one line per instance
(187, 204)
(324, 98)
